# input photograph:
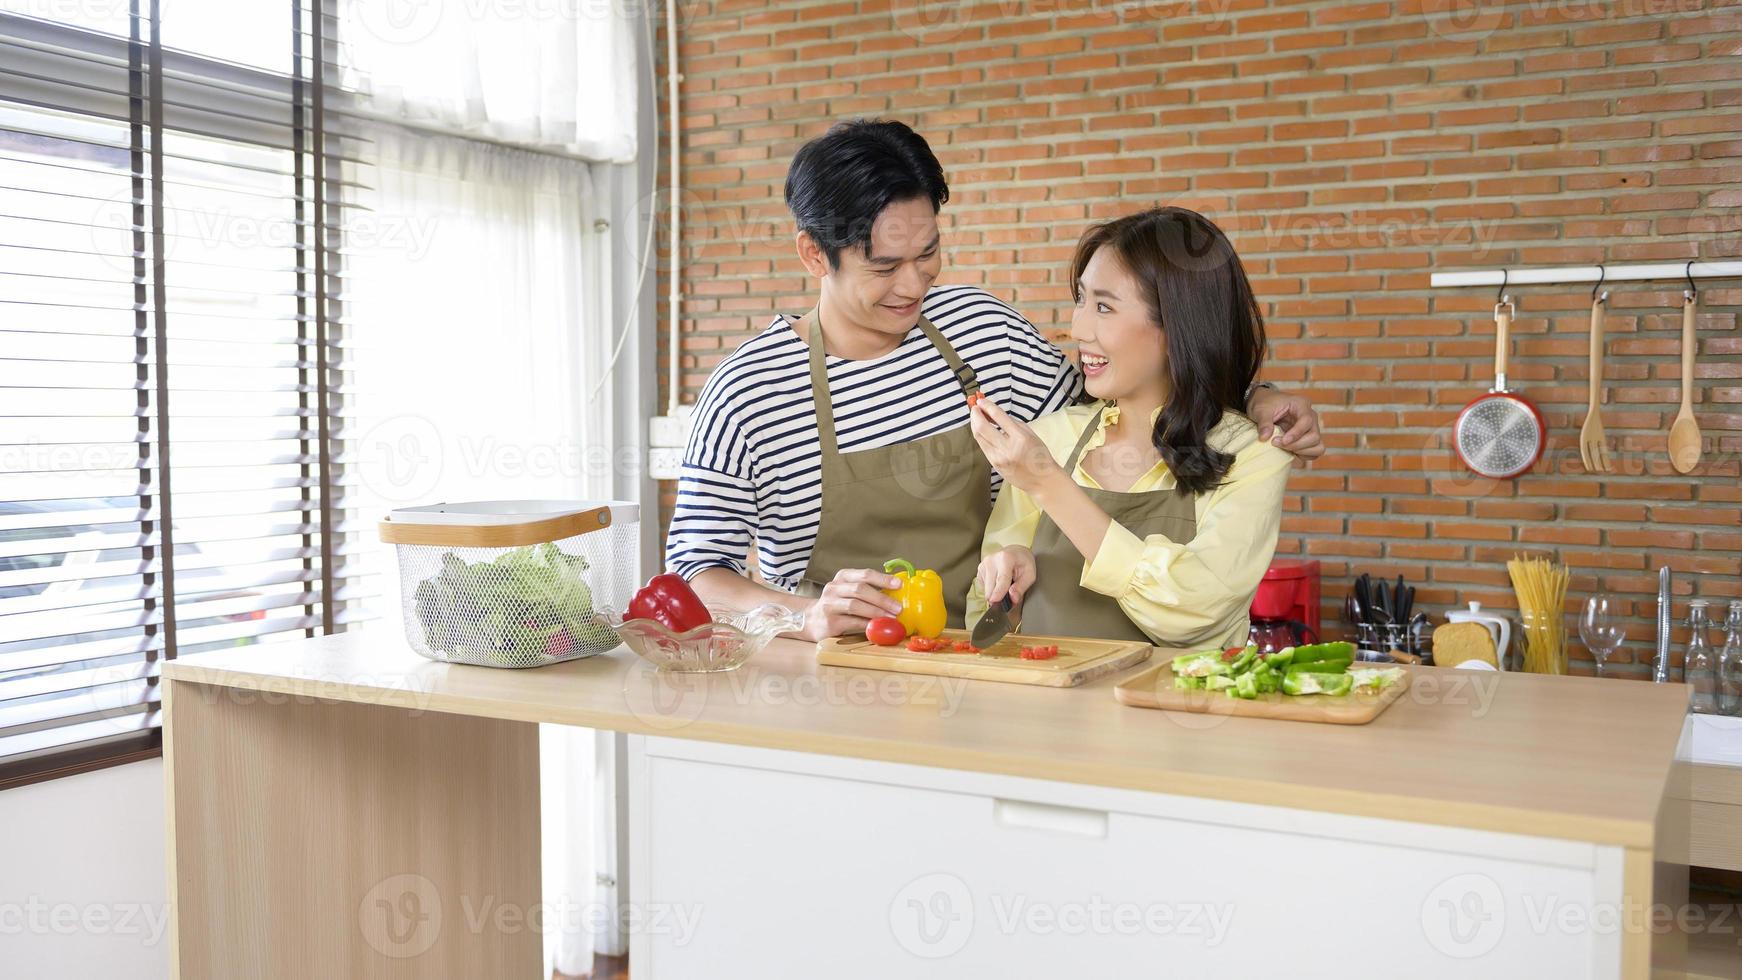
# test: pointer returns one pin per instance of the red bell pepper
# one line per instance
(668, 600)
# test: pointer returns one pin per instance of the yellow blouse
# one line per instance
(1190, 595)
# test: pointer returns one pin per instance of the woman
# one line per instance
(1152, 513)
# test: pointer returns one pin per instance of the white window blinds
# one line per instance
(173, 378)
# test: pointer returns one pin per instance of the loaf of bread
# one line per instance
(1456, 643)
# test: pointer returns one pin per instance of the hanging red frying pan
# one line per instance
(1499, 435)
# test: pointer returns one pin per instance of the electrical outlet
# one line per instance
(670, 431)
(664, 462)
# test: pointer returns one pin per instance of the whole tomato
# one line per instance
(885, 631)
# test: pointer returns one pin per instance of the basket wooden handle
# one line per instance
(497, 535)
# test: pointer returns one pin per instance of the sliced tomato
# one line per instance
(923, 644)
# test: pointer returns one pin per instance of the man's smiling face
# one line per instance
(882, 286)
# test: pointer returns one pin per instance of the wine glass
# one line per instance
(1600, 627)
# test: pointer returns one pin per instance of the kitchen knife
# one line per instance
(1398, 615)
(992, 626)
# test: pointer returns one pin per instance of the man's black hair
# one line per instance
(840, 181)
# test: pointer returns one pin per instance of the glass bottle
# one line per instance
(1730, 663)
(1699, 666)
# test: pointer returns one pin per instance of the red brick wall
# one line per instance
(1349, 150)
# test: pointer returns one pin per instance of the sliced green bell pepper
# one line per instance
(1314, 652)
(1243, 661)
(1245, 687)
(1321, 667)
(1335, 685)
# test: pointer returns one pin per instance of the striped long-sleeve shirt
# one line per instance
(752, 471)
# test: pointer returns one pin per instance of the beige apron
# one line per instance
(1057, 604)
(926, 501)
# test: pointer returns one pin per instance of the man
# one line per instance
(839, 439)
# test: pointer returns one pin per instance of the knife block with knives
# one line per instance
(1377, 609)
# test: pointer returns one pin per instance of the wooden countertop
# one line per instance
(1566, 757)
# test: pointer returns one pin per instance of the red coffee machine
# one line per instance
(1285, 610)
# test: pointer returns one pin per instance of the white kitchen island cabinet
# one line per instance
(795, 821)
(797, 865)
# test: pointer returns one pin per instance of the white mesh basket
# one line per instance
(513, 583)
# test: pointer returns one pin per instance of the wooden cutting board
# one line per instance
(1079, 659)
(1154, 688)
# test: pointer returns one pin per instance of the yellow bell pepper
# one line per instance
(921, 595)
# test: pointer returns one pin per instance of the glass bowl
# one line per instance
(724, 644)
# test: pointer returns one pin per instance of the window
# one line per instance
(173, 370)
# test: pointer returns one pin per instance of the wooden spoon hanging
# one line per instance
(1684, 432)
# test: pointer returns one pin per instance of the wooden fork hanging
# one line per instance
(1593, 445)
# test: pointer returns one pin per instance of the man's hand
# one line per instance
(851, 599)
(1009, 570)
(1287, 422)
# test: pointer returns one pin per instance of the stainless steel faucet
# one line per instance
(1660, 664)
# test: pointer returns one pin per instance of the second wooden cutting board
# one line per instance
(1079, 659)
(1153, 688)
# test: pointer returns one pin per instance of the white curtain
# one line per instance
(479, 279)
(478, 289)
(548, 73)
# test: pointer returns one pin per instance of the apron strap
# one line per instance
(1083, 440)
(820, 392)
(964, 374)
(820, 378)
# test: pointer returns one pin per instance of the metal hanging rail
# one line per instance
(1589, 273)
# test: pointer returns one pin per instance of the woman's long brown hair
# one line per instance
(1198, 296)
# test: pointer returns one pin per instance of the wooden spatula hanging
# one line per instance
(1684, 432)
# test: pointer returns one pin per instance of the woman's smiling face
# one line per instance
(1122, 350)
